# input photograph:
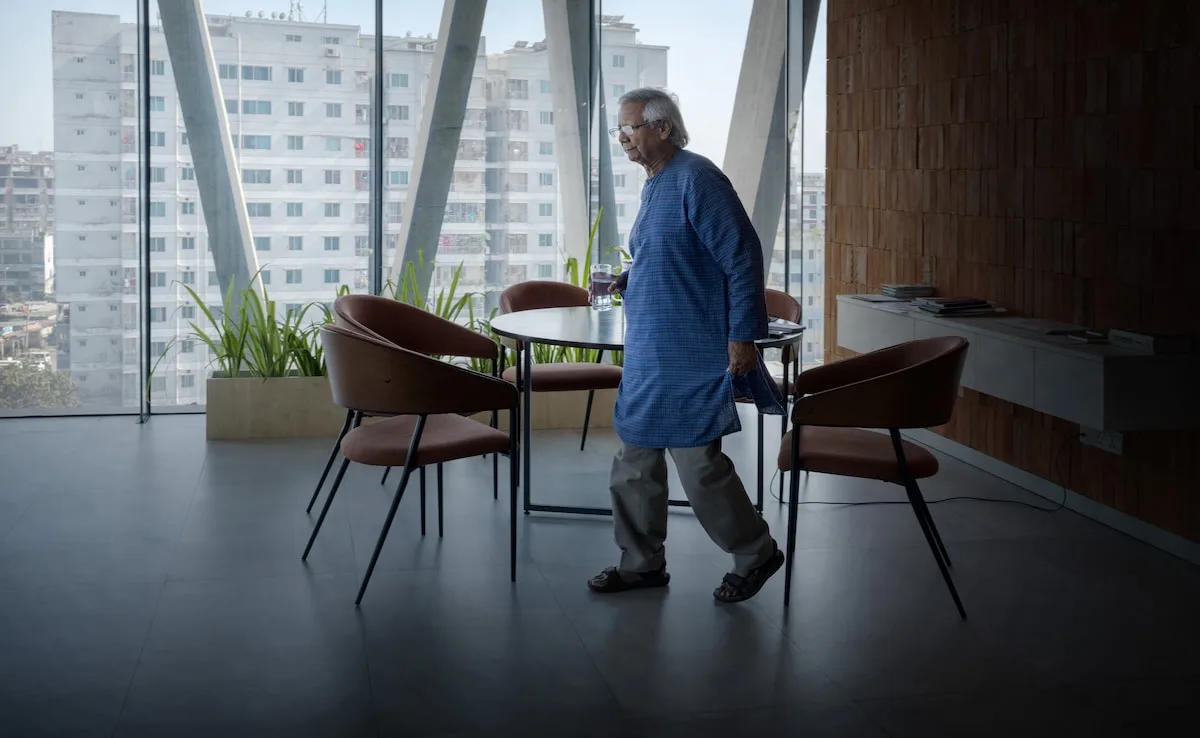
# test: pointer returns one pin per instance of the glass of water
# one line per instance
(601, 278)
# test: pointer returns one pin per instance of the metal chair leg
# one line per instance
(793, 510)
(422, 500)
(337, 446)
(441, 525)
(337, 482)
(514, 477)
(587, 418)
(921, 510)
(386, 471)
(387, 523)
(759, 504)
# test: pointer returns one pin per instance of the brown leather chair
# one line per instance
(565, 376)
(416, 330)
(779, 305)
(912, 385)
(420, 426)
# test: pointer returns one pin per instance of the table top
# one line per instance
(584, 327)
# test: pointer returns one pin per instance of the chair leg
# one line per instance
(386, 471)
(937, 537)
(495, 476)
(337, 482)
(422, 500)
(587, 418)
(514, 477)
(759, 504)
(441, 525)
(337, 446)
(793, 511)
(409, 463)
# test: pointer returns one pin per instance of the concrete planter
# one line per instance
(286, 407)
(564, 410)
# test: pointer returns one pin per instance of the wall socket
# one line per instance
(1109, 441)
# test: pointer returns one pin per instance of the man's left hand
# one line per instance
(743, 357)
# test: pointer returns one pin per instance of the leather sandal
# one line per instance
(745, 587)
(613, 580)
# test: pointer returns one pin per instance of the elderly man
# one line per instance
(694, 304)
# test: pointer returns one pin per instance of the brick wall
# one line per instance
(1041, 153)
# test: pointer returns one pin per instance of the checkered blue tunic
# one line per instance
(695, 285)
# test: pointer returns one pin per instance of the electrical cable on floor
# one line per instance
(1063, 481)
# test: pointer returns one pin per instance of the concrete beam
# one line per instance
(218, 177)
(569, 48)
(769, 93)
(437, 142)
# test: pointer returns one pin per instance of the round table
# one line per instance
(604, 330)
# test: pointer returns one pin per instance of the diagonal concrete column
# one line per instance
(770, 89)
(217, 176)
(606, 235)
(437, 141)
(569, 47)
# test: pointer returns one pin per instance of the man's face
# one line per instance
(646, 142)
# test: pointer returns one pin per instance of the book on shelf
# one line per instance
(906, 291)
(957, 306)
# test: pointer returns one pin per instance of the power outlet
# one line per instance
(1109, 441)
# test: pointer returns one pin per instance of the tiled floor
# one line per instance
(151, 585)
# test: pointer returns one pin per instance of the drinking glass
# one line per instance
(601, 279)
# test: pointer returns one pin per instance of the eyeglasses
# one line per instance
(628, 129)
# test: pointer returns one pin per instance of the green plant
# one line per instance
(23, 386)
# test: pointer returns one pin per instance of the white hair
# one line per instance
(659, 106)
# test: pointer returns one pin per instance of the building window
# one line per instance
(256, 176)
(158, 209)
(333, 243)
(546, 240)
(333, 210)
(295, 176)
(158, 279)
(158, 67)
(212, 279)
(265, 276)
(618, 61)
(544, 86)
(331, 40)
(258, 209)
(398, 178)
(546, 210)
(258, 143)
(546, 148)
(296, 109)
(231, 107)
(293, 38)
(333, 176)
(187, 276)
(397, 79)
(333, 76)
(546, 179)
(397, 112)
(546, 117)
(158, 138)
(262, 243)
(187, 174)
(187, 243)
(295, 74)
(332, 276)
(333, 110)
(158, 244)
(295, 209)
(295, 243)
(292, 276)
(187, 312)
(256, 107)
(618, 180)
(187, 207)
(545, 271)
(295, 143)
(157, 104)
(333, 143)
(256, 74)
(187, 381)
(158, 174)
(158, 315)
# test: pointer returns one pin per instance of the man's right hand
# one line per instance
(619, 282)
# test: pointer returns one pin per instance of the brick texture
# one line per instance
(1041, 153)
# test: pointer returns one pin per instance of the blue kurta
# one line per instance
(695, 285)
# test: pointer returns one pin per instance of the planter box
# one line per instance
(564, 411)
(287, 407)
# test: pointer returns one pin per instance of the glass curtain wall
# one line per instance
(132, 207)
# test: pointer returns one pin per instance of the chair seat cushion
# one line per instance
(570, 376)
(853, 452)
(445, 438)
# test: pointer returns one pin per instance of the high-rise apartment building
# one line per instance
(297, 96)
(805, 217)
(26, 224)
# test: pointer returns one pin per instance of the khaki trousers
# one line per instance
(639, 500)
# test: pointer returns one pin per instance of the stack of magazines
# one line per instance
(956, 307)
(906, 291)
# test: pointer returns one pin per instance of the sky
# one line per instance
(706, 40)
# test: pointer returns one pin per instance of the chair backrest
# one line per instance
(377, 377)
(782, 305)
(537, 294)
(910, 385)
(411, 327)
